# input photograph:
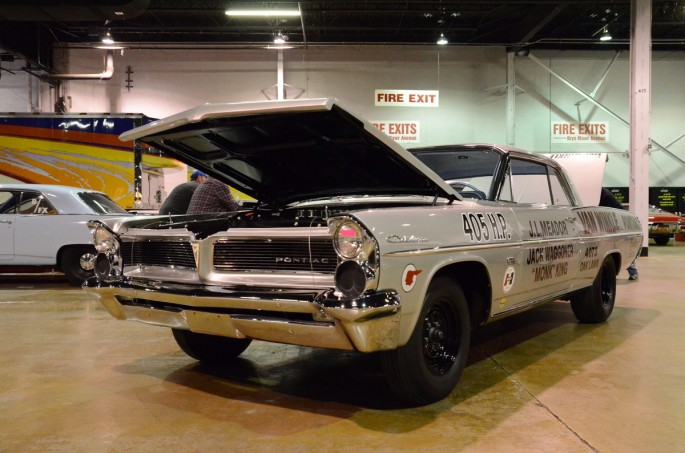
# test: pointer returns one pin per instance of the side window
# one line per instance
(505, 193)
(8, 202)
(533, 182)
(35, 203)
(559, 195)
(529, 182)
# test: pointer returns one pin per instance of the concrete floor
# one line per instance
(73, 379)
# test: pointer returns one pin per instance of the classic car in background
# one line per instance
(356, 244)
(663, 225)
(45, 227)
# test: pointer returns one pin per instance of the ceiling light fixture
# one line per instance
(107, 38)
(263, 12)
(605, 36)
(442, 40)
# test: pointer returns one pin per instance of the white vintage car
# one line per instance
(355, 243)
(44, 228)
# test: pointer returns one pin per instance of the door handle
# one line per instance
(6, 221)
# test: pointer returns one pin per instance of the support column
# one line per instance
(280, 88)
(640, 109)
(511, 99)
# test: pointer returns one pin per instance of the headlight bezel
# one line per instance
(104, 240)
(348, 239)
(107, 263)
(353, 243)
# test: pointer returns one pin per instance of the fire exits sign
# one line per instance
(592, 132)
(400, 131)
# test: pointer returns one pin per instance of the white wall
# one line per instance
(19, 91)
(470, 81)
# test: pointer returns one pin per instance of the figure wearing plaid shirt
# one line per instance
(212, 196)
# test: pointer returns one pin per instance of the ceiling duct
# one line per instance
(105, 74)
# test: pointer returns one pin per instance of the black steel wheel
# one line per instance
(209, 348)
(430, 365)
(595, 303)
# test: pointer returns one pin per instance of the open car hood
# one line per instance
(280, 152)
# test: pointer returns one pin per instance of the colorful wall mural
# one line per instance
(77, 150)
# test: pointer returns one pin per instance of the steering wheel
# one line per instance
(473, 192)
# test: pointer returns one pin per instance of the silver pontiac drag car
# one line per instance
(355, 243)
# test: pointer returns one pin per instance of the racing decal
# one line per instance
(589, 260)
(549, 262)
(547, 228)
(549, 253)
(595, 222)
(485, 227)
(509, 277)
(409, 277)
(549, 271)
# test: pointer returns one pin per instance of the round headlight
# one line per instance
(102, 266)
(350, 279)
(104, 240)
(348, 239)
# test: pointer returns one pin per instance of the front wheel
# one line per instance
(429, 366)
(211, 349)
(595, 304)
(77, 263)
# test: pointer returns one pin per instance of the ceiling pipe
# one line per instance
(106, 74)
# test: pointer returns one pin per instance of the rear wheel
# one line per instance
(595, 304)
(209, 348)
(662, 240)
(77, 263)
(429, 366)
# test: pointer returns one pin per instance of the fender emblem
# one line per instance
(409, 277)
(395, 239)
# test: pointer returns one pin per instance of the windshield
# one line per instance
(469, 170)
(101, 203)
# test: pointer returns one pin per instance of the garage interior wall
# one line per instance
(471, 82)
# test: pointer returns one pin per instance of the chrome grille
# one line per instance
(158, 253)
(281, 254)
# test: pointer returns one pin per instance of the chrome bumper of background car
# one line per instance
(664, 228)
(370, 323)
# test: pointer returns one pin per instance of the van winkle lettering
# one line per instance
(595, 222)
(546, 228)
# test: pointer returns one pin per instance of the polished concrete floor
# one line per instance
(73, 379)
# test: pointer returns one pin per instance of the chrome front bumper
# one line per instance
(661, 229)
(369, 323)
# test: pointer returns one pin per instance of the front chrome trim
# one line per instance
(370, 323)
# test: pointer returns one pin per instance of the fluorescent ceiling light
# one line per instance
(262, 12)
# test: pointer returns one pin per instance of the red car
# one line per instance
(663, 225)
